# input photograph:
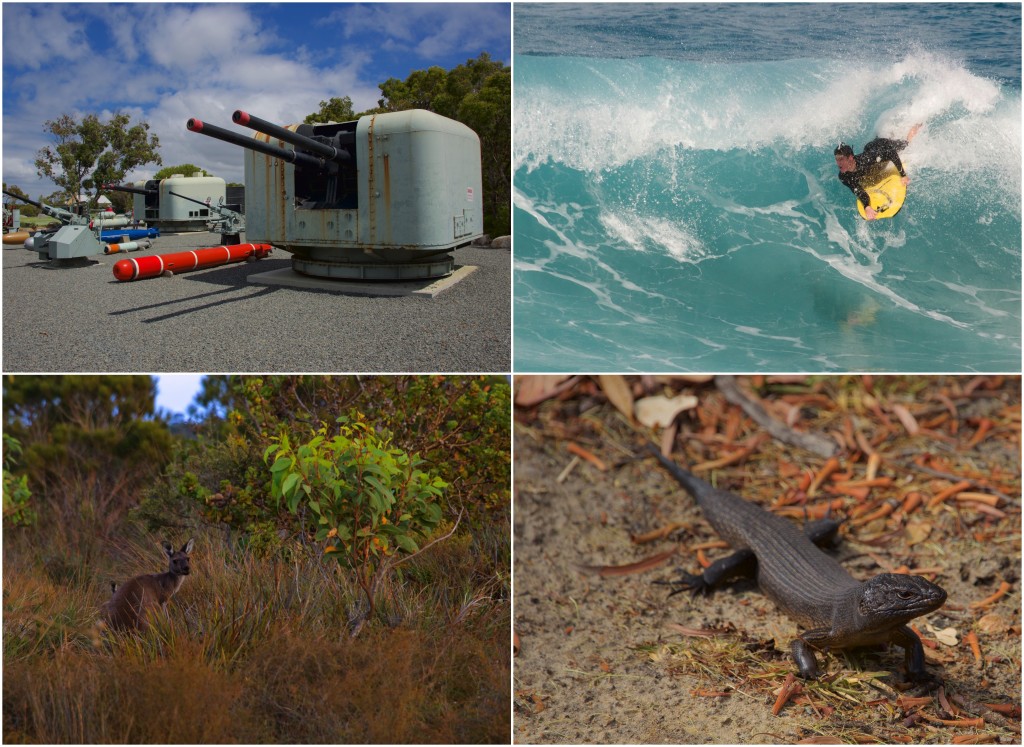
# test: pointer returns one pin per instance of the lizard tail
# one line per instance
(693, 485)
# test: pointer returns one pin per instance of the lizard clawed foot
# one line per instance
(925, 682)
(687, 582)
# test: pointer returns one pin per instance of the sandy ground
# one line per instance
(585, 672)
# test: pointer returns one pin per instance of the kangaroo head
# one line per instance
(179, 558)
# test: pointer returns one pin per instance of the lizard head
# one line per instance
(898, 597)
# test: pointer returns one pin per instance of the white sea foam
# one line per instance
(603, 114)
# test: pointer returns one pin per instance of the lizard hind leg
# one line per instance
(741, 564)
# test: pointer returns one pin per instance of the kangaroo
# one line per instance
(133, 600)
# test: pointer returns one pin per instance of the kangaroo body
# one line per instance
(133, 600)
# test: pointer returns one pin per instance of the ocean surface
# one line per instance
(676, 204)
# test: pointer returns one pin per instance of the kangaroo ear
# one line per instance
(168, 547)
(188, 546)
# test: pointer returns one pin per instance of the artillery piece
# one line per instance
(73, 239)
(66, 217)
(130, 190)
(162, 202)
(229, 223)
(385, 197)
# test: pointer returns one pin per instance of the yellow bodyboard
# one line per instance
(886, 195)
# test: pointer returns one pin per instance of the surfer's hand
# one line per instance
(870, 212)
(905, 180)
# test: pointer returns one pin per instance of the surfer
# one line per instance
(854, 170)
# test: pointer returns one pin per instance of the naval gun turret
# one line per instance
(163, 203)
(384, 197)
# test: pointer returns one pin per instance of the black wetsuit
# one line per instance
(875, 155)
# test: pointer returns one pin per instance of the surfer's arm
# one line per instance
(849, 181)
(895, 158)
(892, 150)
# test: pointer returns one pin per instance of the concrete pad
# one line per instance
(426, 288)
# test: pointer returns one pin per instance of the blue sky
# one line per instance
(166, 62)
(175, 392)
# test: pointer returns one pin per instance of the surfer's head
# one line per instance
(844, 157)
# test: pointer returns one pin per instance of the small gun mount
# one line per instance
(64, 216)
(72, 240)
(229, 223)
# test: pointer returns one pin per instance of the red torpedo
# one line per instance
(157, 264)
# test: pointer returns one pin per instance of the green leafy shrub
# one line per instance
(367, 500)
(17, 493)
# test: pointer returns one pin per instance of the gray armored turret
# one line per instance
(385, 197)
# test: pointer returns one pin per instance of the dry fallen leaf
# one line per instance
(685, 378)
(532, 390)
(945, 636)
(993, 623)
(918, 532)
(661, 410)
(909, 421)
(616, 388)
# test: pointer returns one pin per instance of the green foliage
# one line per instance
(17, 493)
(366, 499)
(458, 424)
(423, 89)
(90, 444)
(185, 169)
(333, 110)
(218, 478)
(89, 152)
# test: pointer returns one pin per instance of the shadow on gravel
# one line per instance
(191, 299)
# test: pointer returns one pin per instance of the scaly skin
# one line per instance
(834, 609)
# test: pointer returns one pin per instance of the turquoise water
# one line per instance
(676, 199)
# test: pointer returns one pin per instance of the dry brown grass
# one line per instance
(259, 651)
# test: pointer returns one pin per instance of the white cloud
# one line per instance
(35, 35)
(201, 39)
(426, 28)
(470, 28)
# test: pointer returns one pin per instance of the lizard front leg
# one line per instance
(803, 648)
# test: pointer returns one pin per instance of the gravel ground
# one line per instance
(80, 319)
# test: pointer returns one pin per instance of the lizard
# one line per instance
(833, 609)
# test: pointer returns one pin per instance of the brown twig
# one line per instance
(607, 571)
(812, 442)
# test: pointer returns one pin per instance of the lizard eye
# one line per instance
(904, 594)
